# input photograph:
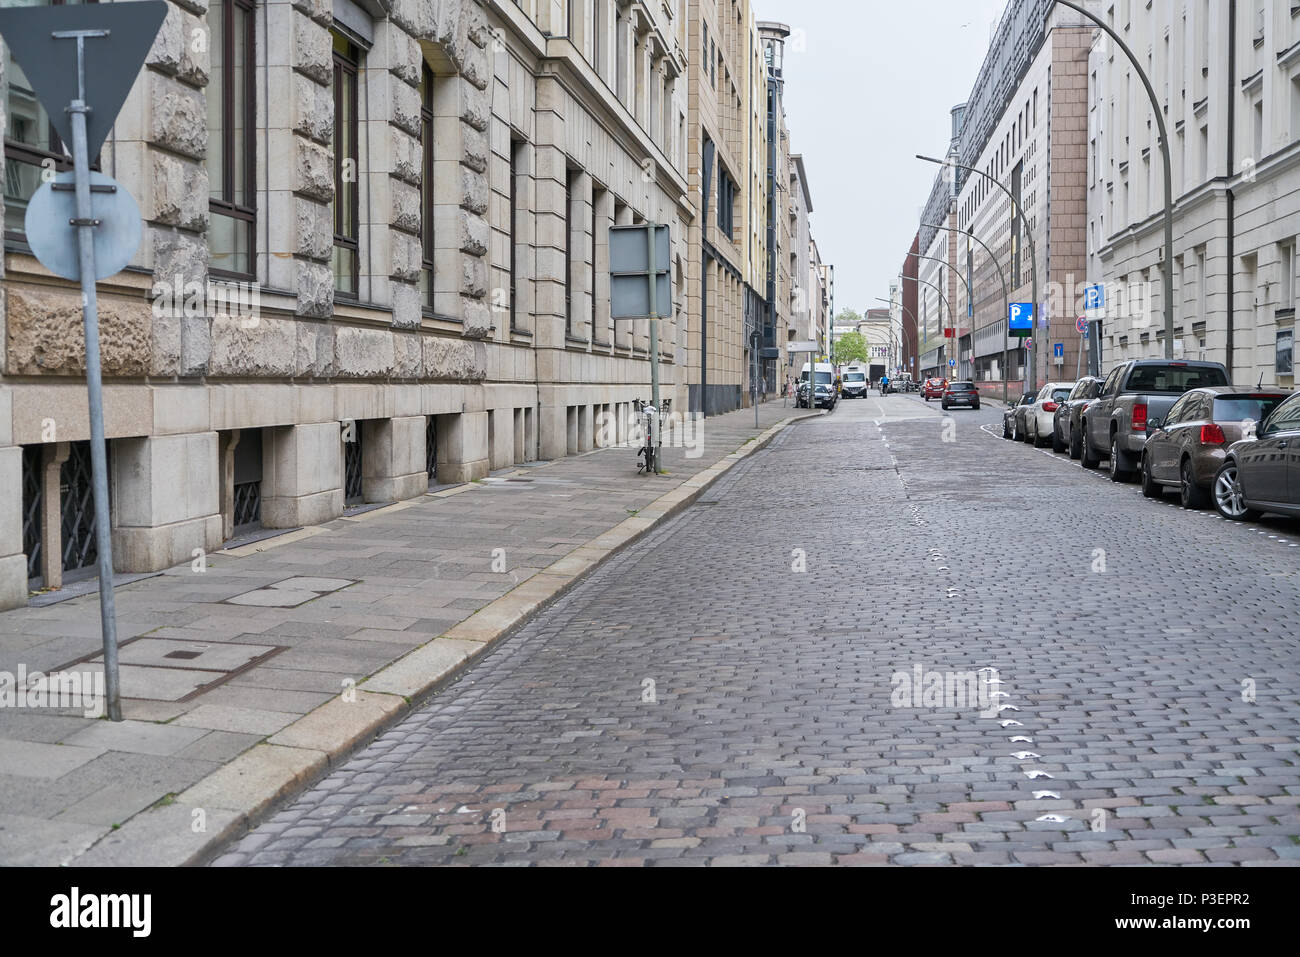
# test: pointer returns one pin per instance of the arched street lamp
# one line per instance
(896, 340)
(1167, 277)
(1017, 210)
(1006, 299)
(947, 305)
(970, 294)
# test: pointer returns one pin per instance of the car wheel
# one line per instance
(1076, 446)
(1057, 445)
(1089, 458)
(1150, 488)
(1040, 440)
(977, 406)
(1229, 501)
(944, 406)
(1191, 495)
(1117, 474)
(1006, 429)
(1025, 436)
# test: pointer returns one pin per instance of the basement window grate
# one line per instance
(352, 466)
(32, 505)
(78, 508)
(431, 447)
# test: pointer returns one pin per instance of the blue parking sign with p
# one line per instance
(1094, 297)
(1020, 316)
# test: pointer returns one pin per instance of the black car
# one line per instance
(961, 393)
(1262, 474)
(1013, 426)
(1066, 431)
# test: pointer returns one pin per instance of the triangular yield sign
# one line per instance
(111, 63)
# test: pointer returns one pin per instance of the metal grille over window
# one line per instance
(352, 464)
(32, 504)
(78, 505)
(247, 499)
(431, 448)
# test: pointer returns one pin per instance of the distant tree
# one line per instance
(852, 347)
(848, 317)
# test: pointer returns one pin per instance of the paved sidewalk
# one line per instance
(246, 680)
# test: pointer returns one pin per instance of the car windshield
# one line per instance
(1238, 408)
(823, 378)
(855, 377)
(1174, 378)
(1060, 395)
(962, 387)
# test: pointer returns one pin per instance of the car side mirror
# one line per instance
(1154, 424)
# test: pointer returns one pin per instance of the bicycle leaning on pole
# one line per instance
(648, 454)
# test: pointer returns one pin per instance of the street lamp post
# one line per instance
(1024, 231)
(947, 305)
(1006, 299)
(895, 339)
(1168, 272)
(970, 294)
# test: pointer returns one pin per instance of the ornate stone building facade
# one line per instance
(374, 259)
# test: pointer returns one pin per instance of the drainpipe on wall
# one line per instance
(1232, 165)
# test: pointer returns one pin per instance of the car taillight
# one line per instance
(1140, 417)
(1212, 435)
(1049, 406)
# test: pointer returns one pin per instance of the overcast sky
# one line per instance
(872, 86)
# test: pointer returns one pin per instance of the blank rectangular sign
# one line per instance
(629, 250)
(630, 296)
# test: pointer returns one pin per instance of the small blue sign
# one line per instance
(1094, 297)
(1058, 350)
(1021, 316)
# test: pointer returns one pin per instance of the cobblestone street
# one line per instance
(722, 691)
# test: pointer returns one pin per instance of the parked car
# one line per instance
(826, 395)
(1066, 434)
(1013, 418)
(1187, 449)
(933, 389)
(961, 393)
(1040, 417)
(1115, 425)
(1262, 473)
(854, 385)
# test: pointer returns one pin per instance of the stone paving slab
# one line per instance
(406, 576)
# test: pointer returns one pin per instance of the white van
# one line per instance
(825, 395)
(854, 383)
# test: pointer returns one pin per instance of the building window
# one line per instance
(30, 142)
(347, 61)
(516, 169)
(726, 204)
(1284, 364)
(232, 155)
(569, 191)
(426, 189)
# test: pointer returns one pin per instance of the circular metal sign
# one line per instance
(53, 238)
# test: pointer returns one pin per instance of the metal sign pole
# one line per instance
(654, 348)
(85, 224)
